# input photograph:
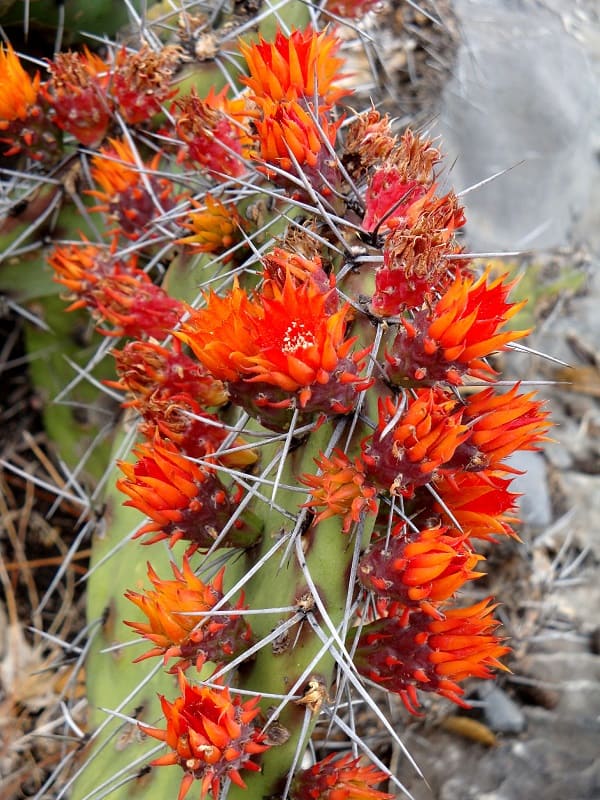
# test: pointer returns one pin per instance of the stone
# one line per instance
(500, 712)
(582, 492)
(522, 99)
(535, 505)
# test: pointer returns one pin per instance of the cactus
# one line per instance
(315, 439)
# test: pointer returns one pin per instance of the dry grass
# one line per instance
(42, 705)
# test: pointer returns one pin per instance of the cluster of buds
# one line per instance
(344, 365)
(82, 96)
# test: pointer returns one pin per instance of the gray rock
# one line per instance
(535, 506)
(582, 492)
(523, 92)
(576, 677)
(557, 761)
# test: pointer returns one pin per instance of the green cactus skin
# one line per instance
(82, 418)
(100, 18)
(73, 425)
(111, 677)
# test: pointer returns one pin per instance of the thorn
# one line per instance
(493, 177)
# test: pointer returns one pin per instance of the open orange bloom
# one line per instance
(418, 568)
(77, 92)
(175, 627)
(132, 202)
(303, 64)
(453, 338)
(339, 778)
(210, 735)
(182, 499)
(341, 488)
(408, 650)
(428, 432)
(285, 340)
(219, 335)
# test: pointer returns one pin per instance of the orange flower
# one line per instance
(134, 306)
(131, 202)
(214, 133)
(192, 639)
(301, 65)
(77, 93)
(285, 340)
(210, 736)
(287, 127)
(418, 568)
(23, 119)
(19, 92)
(480, 502)
(500, 424)
(282, 264)
(453, 338)
(408, 650)
(215, 227)
(341, 488)
(339, 778)
(146, 369)
(182, 499)
(81, 267)
(141, 82)
(219, 335)
(428, 432)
